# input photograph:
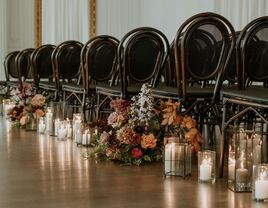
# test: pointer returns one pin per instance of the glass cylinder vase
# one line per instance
(260, 183)
(245, 152)
(207, 166)
(177, 158)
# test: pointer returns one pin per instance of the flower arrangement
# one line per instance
(26, 104)
(133, 137)
(135, 130)
(184, 125)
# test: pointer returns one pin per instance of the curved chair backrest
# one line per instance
(142, 54)
(253, 52)
(10, 66)
(205, 46)
(99, 58)
(66, 61)
(42, 63)
(24, 64)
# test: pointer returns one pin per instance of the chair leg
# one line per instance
(222, 144)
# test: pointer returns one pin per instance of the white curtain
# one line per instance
(65, 20)
(116, 17)
(3, 36)
(241, 12)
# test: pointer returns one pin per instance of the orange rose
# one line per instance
(188, 122)
(148, 141)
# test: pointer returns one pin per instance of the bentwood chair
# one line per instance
(247, 104)
(203, 47)
(11, 71)
(142, 54)
(66, 67)
(100, 69)
(43, 70)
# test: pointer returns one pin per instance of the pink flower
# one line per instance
(148, 141)
(136, 153)
(38, 100)
(104, 137)
(115, 120)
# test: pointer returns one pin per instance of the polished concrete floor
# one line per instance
(39, 171)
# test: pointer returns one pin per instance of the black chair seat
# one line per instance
(72, 87)
(163, 91)
(197, 92)
(106, 89)
(47, 85)
(254, 94)
(12, 83)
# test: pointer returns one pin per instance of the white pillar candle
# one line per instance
(84, 138)
(205, 170)
(174, 149)
(41, 126)
(257, 155)
(231, 171)
(168, 152)
(89, 138)
(261, 189)
(49, 120)
(56, 126)
(241, 175)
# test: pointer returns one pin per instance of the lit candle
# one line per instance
(56, 126)
(49, 122)
(231, 169)
(69, 130)
(242, 174)
(205, 170)
(84, 138)
(261, 187)
(41, 126)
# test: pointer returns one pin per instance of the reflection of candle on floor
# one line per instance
(205, 170)
(261, 187)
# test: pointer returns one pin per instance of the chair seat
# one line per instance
(47, 85)
(106, 89)
(163, 91)
(253, 94)
(195, 92)
(72, 87)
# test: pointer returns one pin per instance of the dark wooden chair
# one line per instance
(203, 46)
(142, 54)
(247, 104)
(12, 76)
(43, 70)
(100, 69)
(66, 67)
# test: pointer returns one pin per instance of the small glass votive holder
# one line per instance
(207, 166)
(260, 183)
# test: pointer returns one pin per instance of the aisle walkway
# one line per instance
(39, 171)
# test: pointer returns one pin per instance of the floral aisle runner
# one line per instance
(135, 130)
(27, 105)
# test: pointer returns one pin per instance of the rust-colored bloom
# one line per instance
(188, 122)
(170, 113)
(195, 138)
(148, 141)
(39, 113)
